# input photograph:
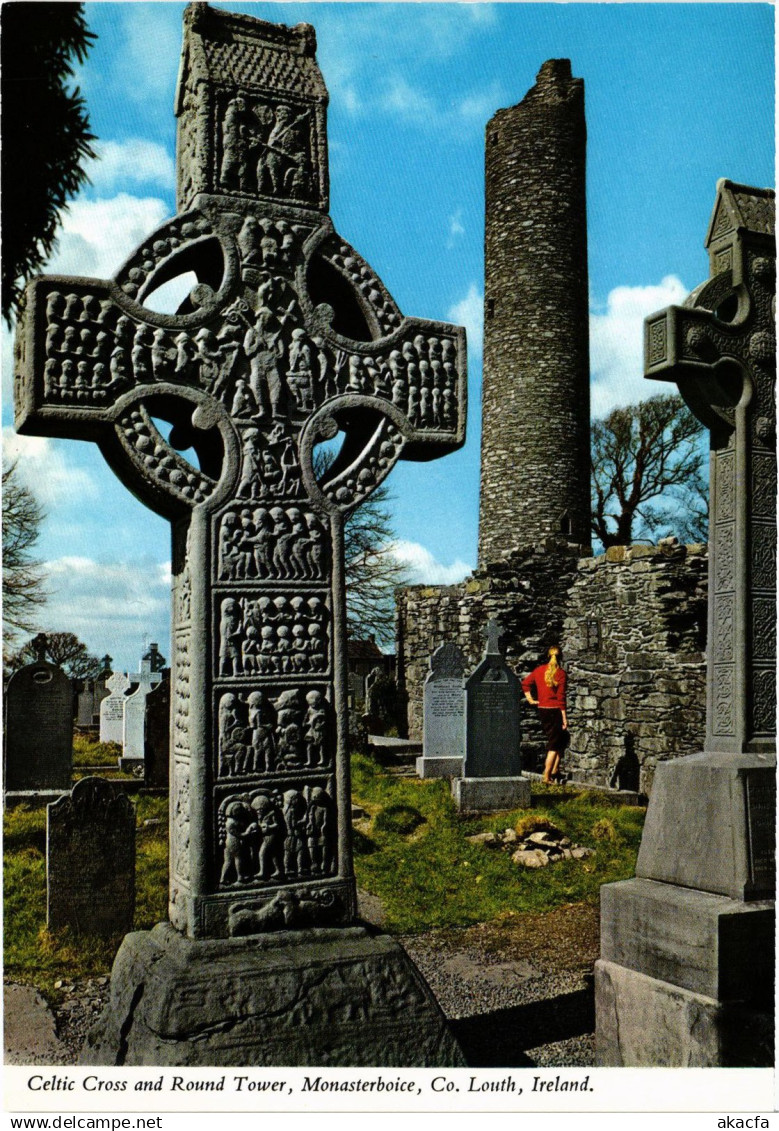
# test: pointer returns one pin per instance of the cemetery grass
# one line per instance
(33, 954)
(412, 852)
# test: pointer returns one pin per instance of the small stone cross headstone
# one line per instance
(443, 728)
(90, 860)
(39, 727)
(112, 708)
(288, 337)
(134, 722)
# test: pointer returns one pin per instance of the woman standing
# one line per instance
(549, 681)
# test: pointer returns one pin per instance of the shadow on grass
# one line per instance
(500, 1039)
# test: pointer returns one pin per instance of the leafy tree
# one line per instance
(45, 129)
(23, 584)
(64, 649)
(648, 473)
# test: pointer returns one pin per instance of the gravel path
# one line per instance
(517, 993)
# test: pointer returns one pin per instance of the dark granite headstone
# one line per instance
(288, 337)
(39, 728)
(492, 714)
(492, 777)
(156, 772)
(443, 737)
(90, 860)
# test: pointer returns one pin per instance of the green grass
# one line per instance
(432, 876)
(41, 957)
(88, 752)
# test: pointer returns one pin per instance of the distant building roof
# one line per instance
(363, 650)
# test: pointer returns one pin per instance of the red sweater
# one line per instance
(547, 696)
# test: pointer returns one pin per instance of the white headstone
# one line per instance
(112, 708)
(134, 728)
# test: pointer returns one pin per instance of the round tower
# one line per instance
(535, 445)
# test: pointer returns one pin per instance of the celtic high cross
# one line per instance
(287, 338)
(720, 349)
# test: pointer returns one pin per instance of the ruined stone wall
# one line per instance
(535, 455)
(632, 625)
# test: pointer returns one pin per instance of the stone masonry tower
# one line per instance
(535, 447)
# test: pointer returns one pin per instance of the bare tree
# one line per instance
(648, 468)
(64, 649)
(372, 570)
(23, 583)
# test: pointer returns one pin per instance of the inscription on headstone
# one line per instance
(112, 708)
(39, 727)
(444, 704)
(761, 837)
(90, 860)
(492, 698)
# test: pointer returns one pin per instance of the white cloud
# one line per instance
(46, 470)
(455, 227)
(469, 312)
(97, 236)
(423, 567)
(112, 606)
(151, 39)
(481, 105)
(617, 343)
(134, 161)
(410, 103)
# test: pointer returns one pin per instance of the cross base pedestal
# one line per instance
(321, 997)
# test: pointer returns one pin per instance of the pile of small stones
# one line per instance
(536, 849)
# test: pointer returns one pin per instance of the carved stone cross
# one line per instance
(720, 349)
(287, 338)
(493, 633)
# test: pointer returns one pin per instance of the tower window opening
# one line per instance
(494, 138)
(490, 307)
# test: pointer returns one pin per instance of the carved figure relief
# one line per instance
(273, 636)
(275, 835)
(263, 732)
(266, 149)
(276, 543)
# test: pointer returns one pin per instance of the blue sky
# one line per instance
(677, 95)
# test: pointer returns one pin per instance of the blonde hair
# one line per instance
(551, 676)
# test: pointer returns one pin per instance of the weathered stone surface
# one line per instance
(321, 997)
(90, 860)
(485, 795)
(691, 939)
(288, 336)
(643, 1022)
(444, 707)
(38, 728)
(711, 826)
(535, 399)
(609, 647)
(134, 719)
(439, 767)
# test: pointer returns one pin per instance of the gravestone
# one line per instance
(134, 721)
(85, 704)
(443, 726)
(90, 860)
(38, 730)
(492, 777)
(157, 748)
(100, 689)
(687, 952)
(112, 708)
(288, 337)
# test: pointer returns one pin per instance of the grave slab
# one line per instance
(489, 795)
(443, 726)
(90, 860)
(38, 729)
